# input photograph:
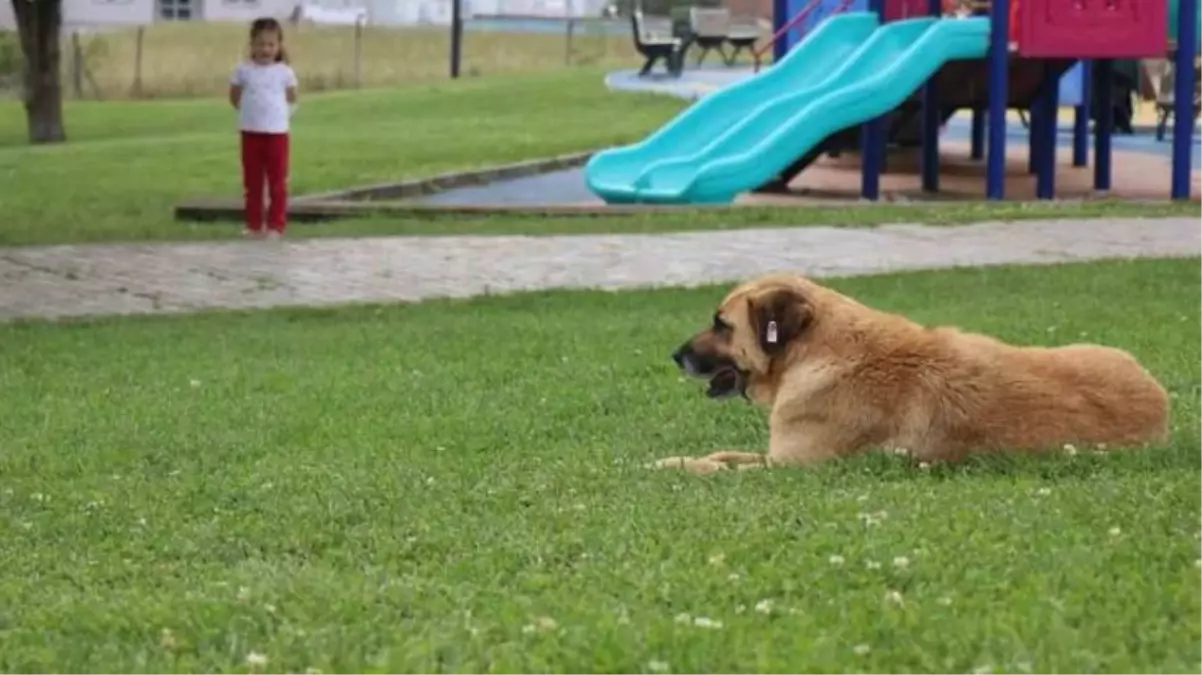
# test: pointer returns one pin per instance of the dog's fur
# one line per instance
(839, 377)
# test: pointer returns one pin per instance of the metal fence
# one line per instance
(182, 59)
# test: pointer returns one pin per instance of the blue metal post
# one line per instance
(999, 75)
(1104, 126)
(930, 121)
(780, 16)
(1034, 131)
(1183, 96)
(1081, 117)
(1049, 105)
(872, 141)
(870, 151)
(977, 150)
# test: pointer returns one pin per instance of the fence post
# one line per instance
(136, 90)
(358, 53)
(76, 65)
(567, 45)
(456, 36)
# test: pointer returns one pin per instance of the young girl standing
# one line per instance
(263, 90)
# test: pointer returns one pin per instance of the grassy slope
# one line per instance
(128, 163)
(457, 486)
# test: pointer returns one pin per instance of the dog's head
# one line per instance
(752, 330)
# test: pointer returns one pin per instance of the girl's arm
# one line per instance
(236, 81)
(290, 87)
(290, 91)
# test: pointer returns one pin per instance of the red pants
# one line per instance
(265, 156)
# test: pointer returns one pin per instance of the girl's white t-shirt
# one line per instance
(264, 104)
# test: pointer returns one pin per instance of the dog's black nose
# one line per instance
(678, 357)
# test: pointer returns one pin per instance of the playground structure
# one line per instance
(894, 74)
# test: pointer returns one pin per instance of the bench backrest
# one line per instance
(709, 22)
(744, 27)
(652, 29)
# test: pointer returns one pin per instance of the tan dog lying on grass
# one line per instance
(839, 377)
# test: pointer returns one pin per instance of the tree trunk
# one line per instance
(39, 23)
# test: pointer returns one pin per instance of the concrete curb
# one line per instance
(452, 180)
(387, 198)
(319, 211)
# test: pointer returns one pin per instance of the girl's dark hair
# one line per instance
(270, 25)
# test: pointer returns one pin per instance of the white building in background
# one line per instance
(85, 14)
(116, 13)
(408, 12)
(551, 9)
(417, 12)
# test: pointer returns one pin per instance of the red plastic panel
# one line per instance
(906, 9)
(1093, 28)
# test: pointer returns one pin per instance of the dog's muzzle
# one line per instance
(725, 379)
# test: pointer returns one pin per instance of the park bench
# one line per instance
(1161, 75)
(743, 34)
(712, 29)
(709, 29)
(653, 38)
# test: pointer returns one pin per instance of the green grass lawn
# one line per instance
(128, 163)
(457, 486)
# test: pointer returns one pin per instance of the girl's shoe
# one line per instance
(274, 234)
(252, 234)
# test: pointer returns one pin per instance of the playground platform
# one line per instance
(1141, 164)
(1139, 174)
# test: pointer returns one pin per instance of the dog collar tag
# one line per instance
(771, 333)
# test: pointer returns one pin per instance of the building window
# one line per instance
(176, 10)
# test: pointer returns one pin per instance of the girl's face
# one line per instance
(265, 47)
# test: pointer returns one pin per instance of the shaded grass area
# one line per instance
(127, 163)
(457, 485)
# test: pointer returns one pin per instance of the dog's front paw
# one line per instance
(699, 466)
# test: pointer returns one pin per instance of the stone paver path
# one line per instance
(60, 281)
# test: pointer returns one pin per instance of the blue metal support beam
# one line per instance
(999, 75)
(872, 138)
(977, 138)
(930, 121)
(1049, 106)
(1081, 117)
(780, 16)
(1104, 126)
(1034, 132)
(1183, 96)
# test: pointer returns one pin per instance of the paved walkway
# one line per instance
(61, 281)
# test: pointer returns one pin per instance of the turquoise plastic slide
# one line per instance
(848, 71)
(611, 174)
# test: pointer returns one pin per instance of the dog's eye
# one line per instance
(720, 326)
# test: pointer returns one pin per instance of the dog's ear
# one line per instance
(779, 317)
